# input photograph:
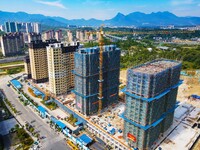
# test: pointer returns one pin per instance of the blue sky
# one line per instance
(100, 9)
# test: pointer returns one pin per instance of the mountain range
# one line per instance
(132, 19)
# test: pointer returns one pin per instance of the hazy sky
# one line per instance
(100, 9)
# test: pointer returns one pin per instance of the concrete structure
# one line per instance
(27, 66)
(38, 61)
(12, 44)
(150, 101)
(87, 78)
(34, 37)
(60, 66)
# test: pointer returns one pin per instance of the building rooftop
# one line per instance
(94, 50)
(155, 66)
(16, 83)
(85, 139)
(42, 109)
(12, 34)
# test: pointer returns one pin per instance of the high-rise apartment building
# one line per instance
(27, 66)
(34, 37)
(60, 66)
(10, 27)
(18, 26)
(151, 93)
(38, 61)
(69, 36)
(36, 27)
(79, 35)
(12, 44)
(7, 28)
(49, 35)
(58, 35)
(87, 78)
(29, 27)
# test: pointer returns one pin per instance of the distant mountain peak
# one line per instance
(120, 15)
(133, 19)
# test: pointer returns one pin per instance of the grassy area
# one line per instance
(50, 105)
(29, 99)
(22, 137)
(15, 70)
(71, 119)
(11, 63)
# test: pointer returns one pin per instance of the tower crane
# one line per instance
(101, 44)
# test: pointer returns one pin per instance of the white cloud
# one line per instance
(54, 3)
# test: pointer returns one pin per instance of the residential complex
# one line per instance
(48, 35)
(51, 34)
(12, 44)
(27, 66)
(27, 27)
(151, 93)
(87, 78)
(38, 61)
(10, 27)
(60, 66)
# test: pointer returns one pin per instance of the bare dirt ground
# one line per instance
(123, 76)
(190, 86)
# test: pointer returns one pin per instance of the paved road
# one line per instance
(53, 141)
(11, 59)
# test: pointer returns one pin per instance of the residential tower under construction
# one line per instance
(87, 78)
(151, 93)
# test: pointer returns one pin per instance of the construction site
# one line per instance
(143, 118)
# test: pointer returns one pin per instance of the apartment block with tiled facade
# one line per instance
(12, 44)
(38, 61)
(60, 65)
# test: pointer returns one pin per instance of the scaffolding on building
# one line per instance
(151, 93)
(87, 78)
